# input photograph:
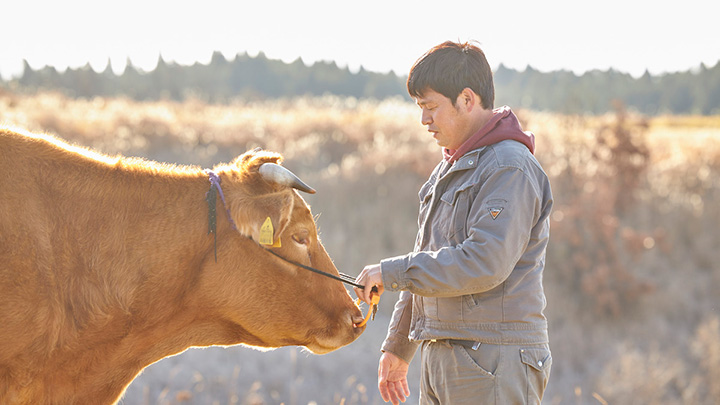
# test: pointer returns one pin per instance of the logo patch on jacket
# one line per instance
(495, 211)
(495, 207)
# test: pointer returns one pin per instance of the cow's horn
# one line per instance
(277, 174)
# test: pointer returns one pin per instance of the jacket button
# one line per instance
(540, 363)
(394, 285)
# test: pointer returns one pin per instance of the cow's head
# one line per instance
(262, 300)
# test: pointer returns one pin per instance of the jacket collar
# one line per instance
(467, 161)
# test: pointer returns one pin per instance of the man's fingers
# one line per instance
(384, 392)
(389, 394)
(360, 293)
(392, 391)
(383, 383)
(370, 277)
(369, 294)
(365, 294)
(396, 393)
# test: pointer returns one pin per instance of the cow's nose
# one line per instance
(357, 319)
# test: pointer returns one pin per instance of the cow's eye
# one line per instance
(302, 237)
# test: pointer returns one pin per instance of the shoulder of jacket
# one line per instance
(509, 153)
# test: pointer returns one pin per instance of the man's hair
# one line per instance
(449, 68)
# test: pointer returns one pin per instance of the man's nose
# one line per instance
(426, 119)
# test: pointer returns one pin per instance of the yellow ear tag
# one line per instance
(266, 234)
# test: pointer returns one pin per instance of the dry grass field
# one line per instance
(633, 267)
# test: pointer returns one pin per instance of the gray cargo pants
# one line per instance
(464, 372)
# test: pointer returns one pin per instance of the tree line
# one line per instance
(696, 91)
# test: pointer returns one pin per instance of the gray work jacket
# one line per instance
(476, 270)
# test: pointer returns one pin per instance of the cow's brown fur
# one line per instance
(106, 266)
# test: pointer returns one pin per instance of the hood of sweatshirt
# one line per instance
(503, 125)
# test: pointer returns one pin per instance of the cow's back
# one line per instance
(64, 229)
(33, 244)
(25, 244)
(25, 311)
(87, 254)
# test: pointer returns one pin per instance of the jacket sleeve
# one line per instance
(499, 223)
(397, 341)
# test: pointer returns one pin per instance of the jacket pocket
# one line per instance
(425, 192)
(457, 201)
(485, 306)
(425, 195)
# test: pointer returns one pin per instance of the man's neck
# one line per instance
(482, 118)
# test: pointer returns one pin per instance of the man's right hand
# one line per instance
(392, 378)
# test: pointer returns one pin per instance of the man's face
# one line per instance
(449, 124)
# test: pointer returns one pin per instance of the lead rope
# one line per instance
(375, 298)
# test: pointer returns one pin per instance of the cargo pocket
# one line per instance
(538, 362)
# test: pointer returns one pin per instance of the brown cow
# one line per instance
(106, 266)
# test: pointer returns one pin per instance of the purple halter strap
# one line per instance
(215, 182)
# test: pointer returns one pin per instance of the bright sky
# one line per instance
(381, 35)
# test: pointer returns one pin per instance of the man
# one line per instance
(471, 291)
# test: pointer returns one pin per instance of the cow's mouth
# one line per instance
(329, 340)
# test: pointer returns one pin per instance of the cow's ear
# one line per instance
(255, 216)
(251, 160)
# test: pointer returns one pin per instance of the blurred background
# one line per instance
(630, 140)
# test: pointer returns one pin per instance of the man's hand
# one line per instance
(370, 277)
(392, 378)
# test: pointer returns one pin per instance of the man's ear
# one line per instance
(469, 100)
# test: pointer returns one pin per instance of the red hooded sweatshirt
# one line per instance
(503, 125)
